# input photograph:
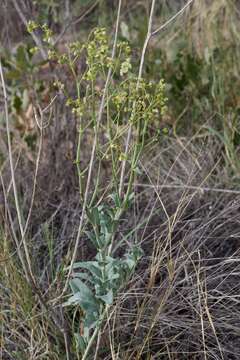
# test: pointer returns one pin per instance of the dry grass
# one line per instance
(183, 302)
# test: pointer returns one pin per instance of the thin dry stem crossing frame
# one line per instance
(16, 199)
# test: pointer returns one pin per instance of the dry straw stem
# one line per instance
(30, 275)
(201, 189)
(23, 227)
(41, 126)
(150, 34)
(13, 232)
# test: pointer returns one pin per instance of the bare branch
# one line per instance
(162, 27)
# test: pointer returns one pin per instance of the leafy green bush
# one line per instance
(95, 288)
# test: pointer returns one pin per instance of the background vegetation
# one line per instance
(119, 169)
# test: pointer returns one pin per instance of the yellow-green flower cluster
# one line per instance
(97, 53)
(63, 59)
(34, 50)
(76, 48)
(78, 106)
(119, 99)
(125, 67)
(58, 85)
(131, 99)
(52, 54)
(123, 57)
(47, 37)
(124, 48)
(140, 99)
(32, 26)
(160, 97)
(47, 33)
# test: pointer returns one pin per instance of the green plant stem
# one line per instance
(99, 118)
(78, 159)
(95, 333)
(90, 343)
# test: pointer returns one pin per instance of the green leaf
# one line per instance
(107, 298)
(86, 303)
(104, 222)
(84, 276)
(93, 216)
(130, 263)
(137, 252)
(21, 58)
(73, 300)
(108, 237)
(90, 321)
(92, 238)
(116, 199)
(83, 296)
(91, 266)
